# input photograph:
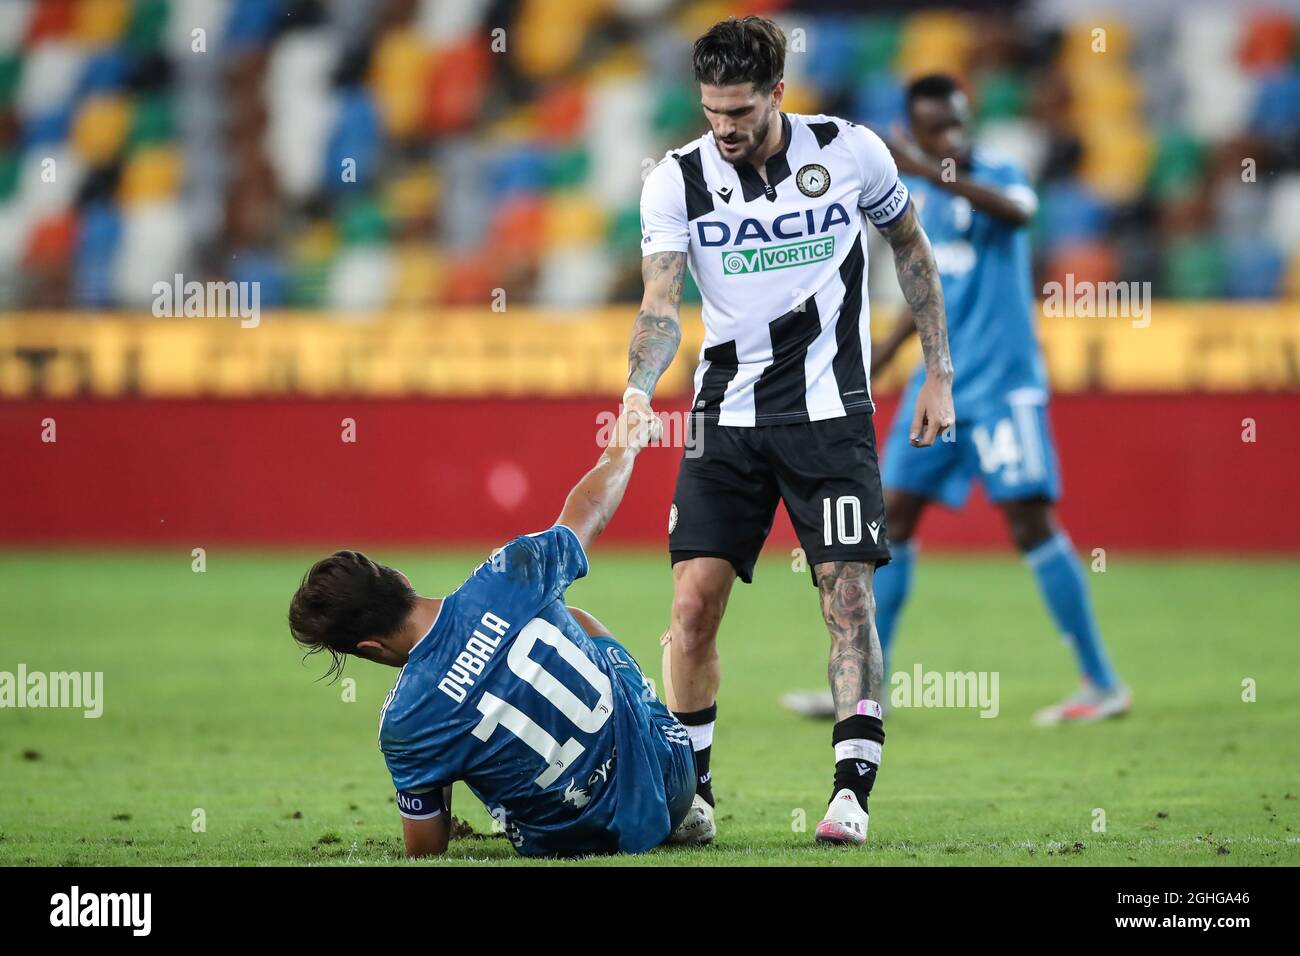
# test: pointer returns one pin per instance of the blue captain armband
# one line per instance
(420, 805)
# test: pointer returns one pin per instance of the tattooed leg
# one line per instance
(856, 668)
(856, 673)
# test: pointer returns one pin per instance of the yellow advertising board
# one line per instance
(1176, 346)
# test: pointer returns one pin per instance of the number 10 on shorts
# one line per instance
(842, 521)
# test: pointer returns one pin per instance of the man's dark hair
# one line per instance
(345, 599)
(738, 51)
(933, 86)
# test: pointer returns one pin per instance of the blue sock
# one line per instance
(1061, 581)
(892, 584)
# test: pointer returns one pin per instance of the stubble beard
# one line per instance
(759, 138)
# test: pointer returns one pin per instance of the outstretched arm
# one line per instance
(594, 499)
(919, 277)
(657, 332)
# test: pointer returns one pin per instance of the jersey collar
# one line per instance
(422, 641)
(777, 168)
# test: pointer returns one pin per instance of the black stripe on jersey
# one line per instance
(698, 198)
(825, 132)
(850, 373)
(722, 369)
(777, 167)
(781, 391)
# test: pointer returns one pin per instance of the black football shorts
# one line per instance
(731, 479)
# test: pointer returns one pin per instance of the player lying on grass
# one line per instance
(534, 705)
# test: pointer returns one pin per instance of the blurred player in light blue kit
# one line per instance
(533, 704)
(976, 218)
(975, 208)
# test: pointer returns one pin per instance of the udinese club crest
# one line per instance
(813, 180)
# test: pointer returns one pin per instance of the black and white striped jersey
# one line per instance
(781, 267)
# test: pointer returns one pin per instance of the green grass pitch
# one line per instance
(209, 708)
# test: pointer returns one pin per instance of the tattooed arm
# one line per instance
(919, 277)
(658, 329)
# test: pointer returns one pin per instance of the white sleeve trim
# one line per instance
(665, 245)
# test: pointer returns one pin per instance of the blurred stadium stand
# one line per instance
(228, 153)
(438, 199)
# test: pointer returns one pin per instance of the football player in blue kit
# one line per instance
(533, 704)
(975, 207)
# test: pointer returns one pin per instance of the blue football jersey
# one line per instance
(508, 693)
(984, 265)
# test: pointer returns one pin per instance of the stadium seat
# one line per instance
(1194, 268)
(1268, 42)
(456, 86)
(150, 175)
(1070, 213)
(106, 71)
(398, 74)
(362, 279)
(49, 77)
(155, 244)
(1000, 94)
(354, 147)
(1276, 111)
(933, 42)
(879, 102)
(1283, 223)
(1115, 160)
(571, 219)
(1179, 163)
(1253, 269)
(100, 128)
(1086, 261)
(97, 22)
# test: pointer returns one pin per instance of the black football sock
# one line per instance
(858, 740)
(699, 725)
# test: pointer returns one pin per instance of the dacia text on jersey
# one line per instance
(791, 225)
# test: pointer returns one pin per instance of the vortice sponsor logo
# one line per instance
(766, 258)
(807, 227)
